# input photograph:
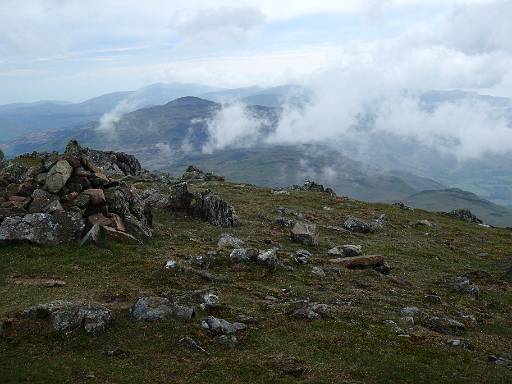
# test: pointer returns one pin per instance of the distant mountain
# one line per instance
(450, 199)
(281, 166)
(266, 97)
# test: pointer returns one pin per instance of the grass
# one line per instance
(353, 347)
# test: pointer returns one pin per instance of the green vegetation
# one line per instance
(355, 346)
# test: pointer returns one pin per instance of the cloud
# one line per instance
(211, 27)
(235, 125)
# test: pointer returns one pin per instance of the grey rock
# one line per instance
(406, 322)
(410, 311)
(268, 258)
(92, 237)
(424, 223)
(433, 299)
(312, 311)
(42, 228)
(58, 176)
(442, 324)
(227, 240)
(302, 256)
(305, 233)
(465, 215)
(229, 341)
(221, 326)
(239, 255)
(67, 316)
(152, 308)
(346, 251)
(354, 224)
(317, 271)
(215, 210)
(462, 284)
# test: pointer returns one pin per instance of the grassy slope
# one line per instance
(353, 347)
(450, 199)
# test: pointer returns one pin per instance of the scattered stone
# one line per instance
(246, 319)
(268, 258)
(504, 360)
(227, 240)
(92, 237)
(445, 325)
(464, 215)
(115, 352)
(360, 262)
(424, 223)
(456, 343)
(410, 311)
(346, 251)
(302, 256)
(221, 326)
(401, 205)
(239, 255)
(433, 299)
(312, 311)
(151, 308)
(229, 341)
(305, 233)
(317, 271)
(394, 326)
(353, 224)
(406, 322)
(462, 284)
(67, 316)
(193, 344)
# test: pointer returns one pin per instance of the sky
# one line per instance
(73, 49)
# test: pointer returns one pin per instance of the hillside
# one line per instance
(439, 305)
(450, 199)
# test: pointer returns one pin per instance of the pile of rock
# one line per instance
(60, 196)
(205, 205)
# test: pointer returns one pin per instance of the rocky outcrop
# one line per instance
(205, 205)
(194, 173)
(314, 187)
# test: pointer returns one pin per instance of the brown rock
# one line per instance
(117, 222)
(120, 237)
(360, 262)
(96, 195)
(99, 219)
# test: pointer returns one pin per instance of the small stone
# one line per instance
(410, 311)
(221, 326)
(433, 299)
(302, 256)
(424, 223)
(239, 255)
(171, 264)
(406, 322)
(317, 271)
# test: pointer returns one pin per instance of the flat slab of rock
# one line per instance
(42, 228)
(360, 262)
(305, 233)
(346, 251)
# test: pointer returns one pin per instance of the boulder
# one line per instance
(305, 233)
(214, 210)
(67, 316)
(58, 176)
(152, 308)
(311, 311)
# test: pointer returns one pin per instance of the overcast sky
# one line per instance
(76, 49)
